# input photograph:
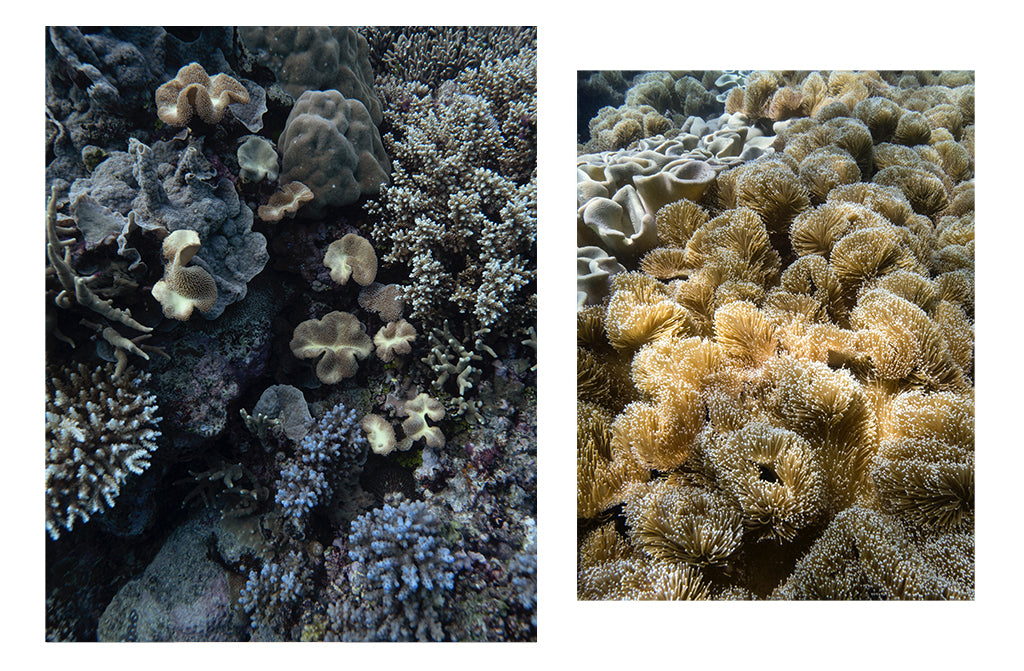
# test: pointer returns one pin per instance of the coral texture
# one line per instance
(760, 391)
(461, 210)
(193, 92)
(98, 433)
(331, 145)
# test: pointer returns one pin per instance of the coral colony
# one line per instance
(775, 335)
(291, 344)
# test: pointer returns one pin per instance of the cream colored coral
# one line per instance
(379, 434)
(184, 288)
(339, 337)
(418, 410)
(351, 256)
(193, 92)
(286, 202)
(393, 339)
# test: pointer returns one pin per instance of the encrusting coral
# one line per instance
(776, 397)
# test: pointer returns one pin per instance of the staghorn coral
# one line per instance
(759, 397)
(98, 432)
(461, 211)
(401, 576)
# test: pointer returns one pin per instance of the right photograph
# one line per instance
(775, 335)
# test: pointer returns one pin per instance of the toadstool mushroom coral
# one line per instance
(183, 287)
(193, 92)
(775, 400)
(393, 339)
(285, 202)
(339, 337)
(351, 256)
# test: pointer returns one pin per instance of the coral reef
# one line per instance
(334, 421)
(763, 363)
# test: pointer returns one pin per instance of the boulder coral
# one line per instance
(331, 144)
(776, 398)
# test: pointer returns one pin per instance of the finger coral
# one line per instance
(193, 92)
(776, 397)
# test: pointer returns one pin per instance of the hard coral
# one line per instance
(193, 91)
(339, 337)
(331, 145)
(98, 433)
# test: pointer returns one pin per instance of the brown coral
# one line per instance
(339, 337)
(193, 92)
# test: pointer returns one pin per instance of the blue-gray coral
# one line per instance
(171, 186)
(327, 462)
(400, 577)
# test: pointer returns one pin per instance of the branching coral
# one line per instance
(98, 433)
(400, 578)
(461, 211)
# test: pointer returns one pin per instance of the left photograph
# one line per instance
(291, 345)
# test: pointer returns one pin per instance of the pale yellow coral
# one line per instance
(339, 337)
(394, 338)
(351, 256)
(184, 288)
(192, 91)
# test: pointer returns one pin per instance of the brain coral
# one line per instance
(776, 400)
(331, 145)
(98, 432)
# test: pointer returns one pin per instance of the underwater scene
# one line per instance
(291, 352)
(775, 335)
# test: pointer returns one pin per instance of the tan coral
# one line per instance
(393, 339)
(379, 433)
(339, 337)
(193, 92)
(384, 299)
(351, 256)
(184, 288)
(417, 411)
(285, 202)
